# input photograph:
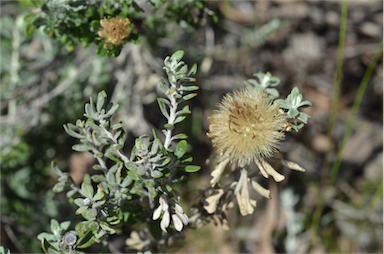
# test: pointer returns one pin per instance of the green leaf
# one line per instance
(100, 234)
(100, 100)
(89, 214)
(189, 88)
(162, 105)
(71, 193)
(58, 187)
(45, 235)
(180, 136)
(305, 104)
(79, 201)
(48, 247)
(106, 227)
(82, 148)
(169, 126)
(65, 225)
(156, 174)
(192, 168)
(187, 160)
(81, 210)
(30, 17)
(184, 111)
(55, 227)
(179, 119)
(189, 96)
(165, 162)
(156, 146)
(273, 92)
(292, 113)
(133, 175)
(264, 82)
(169, 188)
(112, 110)
(71, 130)
(177, 55)
(56, 169)
(163, 85)
(29, 29)
(182, 71)
(118, 125)
(193, 70)
(86, 241)
(181, 149)
(303, 117)
(282, 103)
(126, 182)
(297, 126)
(87, 190)
(111, 178)
(4, 250)
(131, 166)
(90, 111)
(99, 195)
(98, 203)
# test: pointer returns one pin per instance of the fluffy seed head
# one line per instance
(114, 30)
(246, 127)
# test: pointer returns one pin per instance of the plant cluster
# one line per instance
(137, 192)
(38, 80)
(110, 24)
(128, 189)
(246, 130)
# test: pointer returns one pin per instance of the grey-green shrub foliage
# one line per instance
(129, 189)
(73, 22)
(138, 190)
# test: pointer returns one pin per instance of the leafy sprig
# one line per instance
(128, 186)
(177, 89)
(291, 106)
(264, 82)
(74, 22)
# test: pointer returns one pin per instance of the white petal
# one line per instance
(183, 217)
(260, 189)
(177, 222)
(261, 168)
(272, 172)
(161, 200)
(163, 204)
(178, 208)
(156, 213)
(216, 173)
(134, 241)
(245, 206)
(165, 221)
(213, 201)
(245, 203)
(292, 165)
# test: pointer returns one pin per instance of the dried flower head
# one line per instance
(247, 127)
(115, 30)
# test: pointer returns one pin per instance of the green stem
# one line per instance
(339, 66)
(337, 82)
(352, 117)
(171, 120)
(377, 197)
(355, 107)
(334, 106)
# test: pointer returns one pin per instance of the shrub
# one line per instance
(136, 194)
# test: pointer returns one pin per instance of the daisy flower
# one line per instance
(247, 127)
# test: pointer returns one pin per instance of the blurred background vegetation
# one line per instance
(325, 47)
